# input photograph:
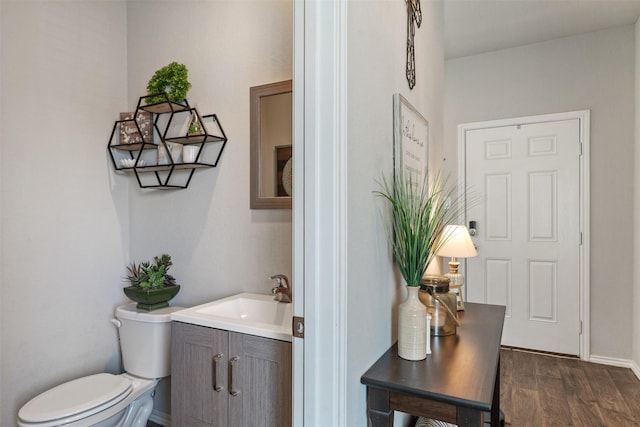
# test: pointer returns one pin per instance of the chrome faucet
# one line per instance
(282, 292)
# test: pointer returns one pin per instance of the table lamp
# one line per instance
(458, 245)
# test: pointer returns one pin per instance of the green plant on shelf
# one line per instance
(171, 79)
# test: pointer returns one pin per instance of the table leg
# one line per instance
(379, 412)
(467, 417)
(495, 403)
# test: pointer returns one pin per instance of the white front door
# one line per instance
(527, 180)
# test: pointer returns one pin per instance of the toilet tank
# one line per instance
(145, 340)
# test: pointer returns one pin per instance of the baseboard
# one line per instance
(160, 418)
(635, 368)
(622, 363)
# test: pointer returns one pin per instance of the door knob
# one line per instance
(472, 228)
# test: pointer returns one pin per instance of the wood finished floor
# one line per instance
(548, 391)
(540, 390)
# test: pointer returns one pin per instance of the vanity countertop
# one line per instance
(247, 313)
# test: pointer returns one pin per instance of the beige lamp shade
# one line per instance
(458, 243)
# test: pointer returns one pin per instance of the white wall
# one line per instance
(69, 225)
(219, 246)
(593, 71)
(376, 70)
(64, 215)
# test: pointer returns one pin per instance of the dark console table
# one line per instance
(456, 383)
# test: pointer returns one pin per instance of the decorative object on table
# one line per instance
(410, 138)
(428, 422)
(428, 333)
(412, 327)
(134, 131)
(419, 214)
(151, 285)
(441, 304)
(171, 79)
(414, 18)
(459, 245)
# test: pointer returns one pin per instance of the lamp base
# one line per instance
(456, 280)
(457, 289)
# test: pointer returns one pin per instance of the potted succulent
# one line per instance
(171, 79)
(151, 285)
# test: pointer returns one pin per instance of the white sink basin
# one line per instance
(247, 313)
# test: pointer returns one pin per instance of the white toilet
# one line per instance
(106, 400)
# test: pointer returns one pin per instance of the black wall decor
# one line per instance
(414, 17)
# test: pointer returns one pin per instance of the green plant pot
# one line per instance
(151, 299)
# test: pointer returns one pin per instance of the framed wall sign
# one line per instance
(129, 131)
(410, 139)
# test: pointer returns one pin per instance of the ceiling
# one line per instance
(477, 26)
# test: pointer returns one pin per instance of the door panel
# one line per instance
(194, 401)
(527, 177)
(262, 380)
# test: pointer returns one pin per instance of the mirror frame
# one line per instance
(256, 93)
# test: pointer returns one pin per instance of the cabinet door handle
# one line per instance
(232, 363)
(214, 372)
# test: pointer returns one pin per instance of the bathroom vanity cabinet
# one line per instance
(222, 378)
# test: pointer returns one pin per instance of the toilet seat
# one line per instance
(76, 399)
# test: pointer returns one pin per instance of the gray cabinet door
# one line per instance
(260, 380)
(198, 367)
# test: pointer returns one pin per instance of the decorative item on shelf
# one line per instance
(169, 153)
(129, 163)
(195, 127)
(441, 304)
(190, 153)
(419, 214)
(135, 131)
(171, 79)
(459, 245)
(176, 151)
(151, 285)
(163, 154)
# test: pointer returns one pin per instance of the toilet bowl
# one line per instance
(107, 400)
(104, 400)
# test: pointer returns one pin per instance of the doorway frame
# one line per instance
(584, 117)
(320, 212)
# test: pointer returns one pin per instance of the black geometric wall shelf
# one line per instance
(163, 144)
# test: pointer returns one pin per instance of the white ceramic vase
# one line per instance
(412, 327)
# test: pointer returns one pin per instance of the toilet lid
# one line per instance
(74, 397)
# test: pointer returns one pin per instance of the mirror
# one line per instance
(271, 146)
